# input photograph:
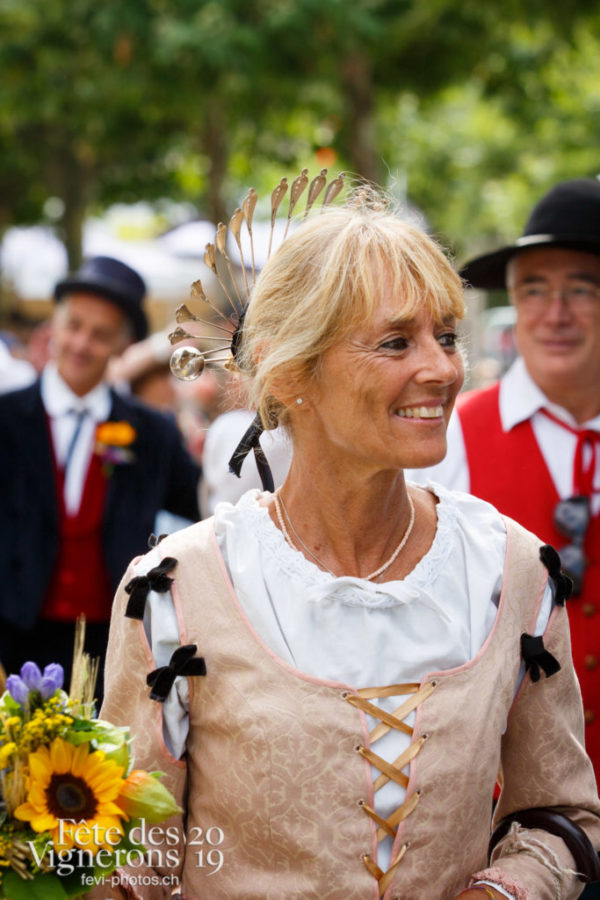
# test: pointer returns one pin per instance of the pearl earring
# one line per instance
(299, 401)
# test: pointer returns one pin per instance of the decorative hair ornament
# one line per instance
(188, 362)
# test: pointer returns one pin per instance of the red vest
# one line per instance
(508, 470)
(80, 582)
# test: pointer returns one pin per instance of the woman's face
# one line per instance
(384, 394)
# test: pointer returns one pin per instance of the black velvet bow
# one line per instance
(562, 582)
(536, 657)
(182, 662)
(154, 540)
(251, 441)
(154, 580)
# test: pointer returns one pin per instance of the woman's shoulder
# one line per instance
(193, 539)
(472, 515)
(470, 538)
(473, 532)
(457, 510)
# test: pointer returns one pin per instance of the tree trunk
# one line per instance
(76, 196)
(70, 176)
(357, 86)
(214, 140)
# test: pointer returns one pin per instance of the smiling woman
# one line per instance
(339, 275)
(364, 642)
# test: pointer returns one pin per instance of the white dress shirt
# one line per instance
(520, 399)
(60, 404)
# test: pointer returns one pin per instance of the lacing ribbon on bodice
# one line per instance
(390, 771)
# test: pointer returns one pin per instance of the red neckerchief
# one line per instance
(583, 472)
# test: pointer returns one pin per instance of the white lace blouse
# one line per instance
(348, 629)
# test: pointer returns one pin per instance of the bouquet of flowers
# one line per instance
(69, 797)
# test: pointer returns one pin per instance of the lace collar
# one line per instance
(320, 585)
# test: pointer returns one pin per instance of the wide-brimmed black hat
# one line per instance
(567, 216)
(112, 280)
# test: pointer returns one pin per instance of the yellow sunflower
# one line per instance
(67, 782)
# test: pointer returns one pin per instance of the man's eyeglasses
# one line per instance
(571, 518)
(579, 295)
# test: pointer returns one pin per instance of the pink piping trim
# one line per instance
(472, 662)
(144, 642)
(538, 604)
(302, 676)
(527, 678)
(182, 629)
(370, 792)
(410, 790)
(465, 666)
(179, 763)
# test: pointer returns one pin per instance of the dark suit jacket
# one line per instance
(162, 476)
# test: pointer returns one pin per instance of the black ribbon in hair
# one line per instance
(154, 580)
(563, 584)
(536, 657)
(182, 662)
(236, 337)
(251, 441)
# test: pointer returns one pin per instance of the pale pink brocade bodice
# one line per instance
(281, 761)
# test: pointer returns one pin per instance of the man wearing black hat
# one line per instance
(85, 472)
(531, 444)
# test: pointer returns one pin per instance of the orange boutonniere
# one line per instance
(112, 442)
(116, 434)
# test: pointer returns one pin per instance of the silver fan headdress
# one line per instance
(188, 362)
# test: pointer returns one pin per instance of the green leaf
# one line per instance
(9, 706)
(76, 883)
(40, 887)
(113, 740)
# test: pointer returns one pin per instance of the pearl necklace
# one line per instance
(280, 505)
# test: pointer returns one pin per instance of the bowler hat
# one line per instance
(112, 280)
(567, 216)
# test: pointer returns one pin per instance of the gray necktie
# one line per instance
(80, 415)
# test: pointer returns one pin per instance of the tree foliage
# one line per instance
(468, 110)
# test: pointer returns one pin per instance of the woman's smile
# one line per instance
(421, 411)
(384, 395)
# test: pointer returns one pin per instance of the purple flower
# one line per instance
(31, 675)
(17, 689)
(52, 679)
(31, 680)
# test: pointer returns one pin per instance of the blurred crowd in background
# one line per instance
(143, 371)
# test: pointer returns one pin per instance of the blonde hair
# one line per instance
(325, 282)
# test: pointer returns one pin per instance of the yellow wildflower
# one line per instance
(6, 751)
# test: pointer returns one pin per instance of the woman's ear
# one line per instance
(287, 391)
(295, 392)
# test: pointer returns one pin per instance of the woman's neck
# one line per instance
(350, 524)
